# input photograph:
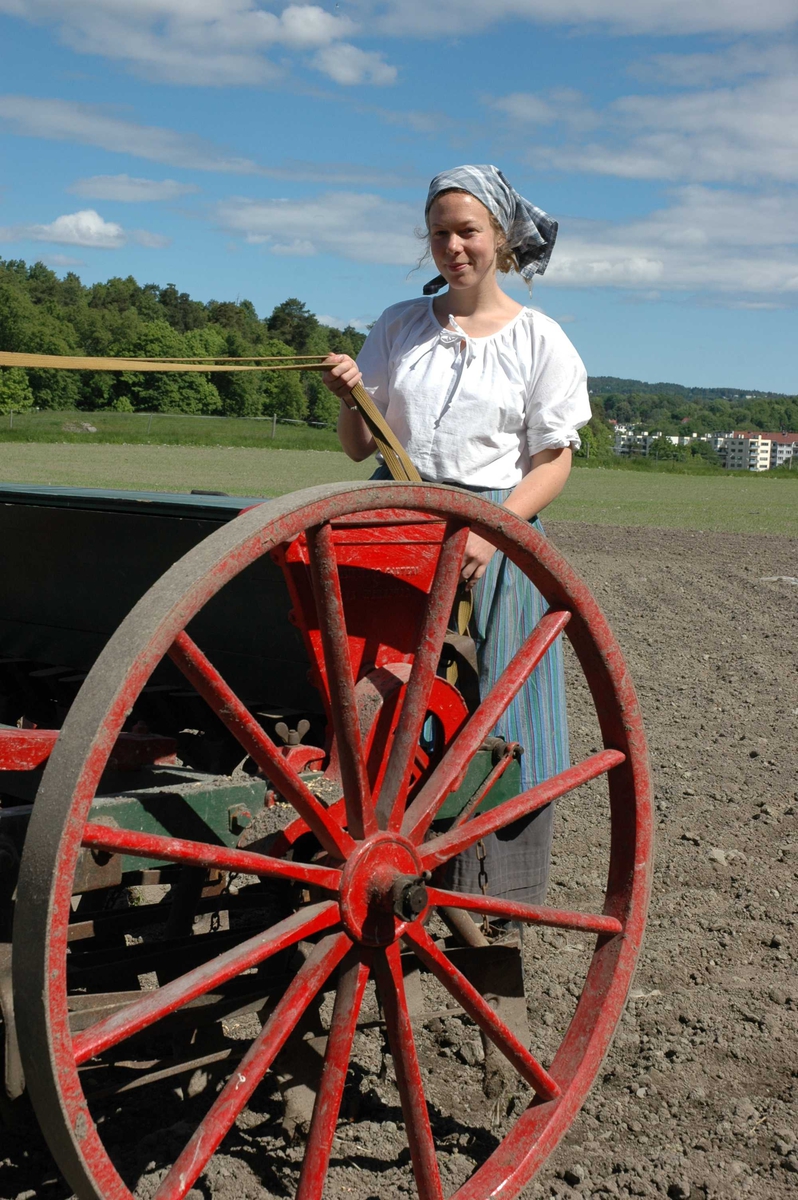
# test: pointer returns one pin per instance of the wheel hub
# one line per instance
(382, 889)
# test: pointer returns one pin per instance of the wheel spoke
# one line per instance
(322, 961)
(346, 1010)
(340, 683)
(532, 914)
(442, 781)
(153, 1006)
(422, 675)
(390, 981)
(253, 738)
(480, 1011)
(440, 849)
(204, 854)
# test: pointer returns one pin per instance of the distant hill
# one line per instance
(602, 385)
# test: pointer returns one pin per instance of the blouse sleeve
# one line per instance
(374, 363)
(557, 401)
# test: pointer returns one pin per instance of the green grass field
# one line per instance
(733, 503)
(153, 429)
(234, 469)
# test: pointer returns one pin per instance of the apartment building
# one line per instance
(764, 450)
(629, 442)
(748, 452)
(740, 450)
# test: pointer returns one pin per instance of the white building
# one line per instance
(760, 451)
(783, 453)
(718, 441)
(747, 453)
(628, 442)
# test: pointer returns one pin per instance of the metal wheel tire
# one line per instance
(378, 848)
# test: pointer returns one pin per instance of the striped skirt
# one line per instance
(507, 607)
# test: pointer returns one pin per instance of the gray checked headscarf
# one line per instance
(530, 232)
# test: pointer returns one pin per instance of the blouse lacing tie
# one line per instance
(466, 349)
(459, 339)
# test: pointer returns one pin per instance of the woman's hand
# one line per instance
(478, 554)
(342, 375)
(353, 433)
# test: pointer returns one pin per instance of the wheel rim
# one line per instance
(59, 827)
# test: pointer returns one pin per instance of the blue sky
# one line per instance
(240, 148)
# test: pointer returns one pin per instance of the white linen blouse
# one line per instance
(474, 410)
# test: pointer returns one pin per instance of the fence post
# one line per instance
(149, 423)
(274, 425)
(11, 419)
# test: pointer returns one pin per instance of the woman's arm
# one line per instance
(353, 433)
(542, 484)
(545, 481)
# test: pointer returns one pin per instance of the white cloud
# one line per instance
(729, 64)
(559, 106)
(422, 18)
(84, 228)
(296, 248)
(92, 125)
(130, 189)
(152, 241)
(525, 108)
(432, 121)
(347, 174)
(359, 226)
(305, 26)
(205, 42)
(344, 322)
(63, 260)
(734, 134)
(226, 42)
(735, 244)
(347, 65)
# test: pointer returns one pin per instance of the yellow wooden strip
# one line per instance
(148, 365)
(396, 458)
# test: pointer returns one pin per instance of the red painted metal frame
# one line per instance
(418, 817)
(27, 749)
(359, 925)
(206, 854)
(154, 1005)
(352, 982)
(383, 696)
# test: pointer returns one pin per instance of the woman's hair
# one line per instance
(505, 258)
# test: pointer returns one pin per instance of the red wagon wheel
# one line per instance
(369, 888)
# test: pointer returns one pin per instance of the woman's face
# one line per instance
(462, 239)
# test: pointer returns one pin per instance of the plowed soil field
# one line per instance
(696, 1099)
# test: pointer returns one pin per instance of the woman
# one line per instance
(487, 394)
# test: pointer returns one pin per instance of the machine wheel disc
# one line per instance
(369, 891)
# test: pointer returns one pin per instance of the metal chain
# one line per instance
(482, 880)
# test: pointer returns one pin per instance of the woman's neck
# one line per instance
(479, 311)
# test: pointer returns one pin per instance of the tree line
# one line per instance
(672, 412)
(43, 314)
